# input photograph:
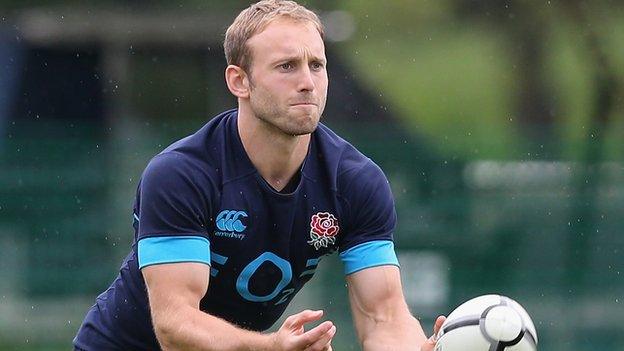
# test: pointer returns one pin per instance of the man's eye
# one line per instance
(317, 66)
(286, 66)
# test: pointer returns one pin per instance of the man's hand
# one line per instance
(292, 336)
(429, 345)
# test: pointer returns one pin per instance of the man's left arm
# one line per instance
(380, 313)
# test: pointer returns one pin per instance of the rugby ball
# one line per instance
(488, 323)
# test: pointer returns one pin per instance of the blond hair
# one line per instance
(255, 19)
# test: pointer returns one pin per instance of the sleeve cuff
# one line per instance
(369, 254)
(173, 249)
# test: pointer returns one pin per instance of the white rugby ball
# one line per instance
(488, 323)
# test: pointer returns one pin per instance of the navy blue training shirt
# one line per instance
(202, 200)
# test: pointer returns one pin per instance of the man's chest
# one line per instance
(265, 246)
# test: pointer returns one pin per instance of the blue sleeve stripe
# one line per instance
(173, 249)
(369, 254)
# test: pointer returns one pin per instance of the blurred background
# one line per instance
(498, 123)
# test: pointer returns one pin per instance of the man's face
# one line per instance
(288, 79)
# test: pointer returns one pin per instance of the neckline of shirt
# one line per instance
(244, 165)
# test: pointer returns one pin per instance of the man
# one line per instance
(231, 221)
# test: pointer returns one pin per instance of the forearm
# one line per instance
(398, 333)
(381, 316)
(187, 328)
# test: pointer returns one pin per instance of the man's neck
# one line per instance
(276, 156)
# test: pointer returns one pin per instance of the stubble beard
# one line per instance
(265, 108)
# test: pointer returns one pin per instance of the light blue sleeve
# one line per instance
(369, 254)
(173, 249)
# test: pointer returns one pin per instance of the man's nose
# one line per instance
(306, 80)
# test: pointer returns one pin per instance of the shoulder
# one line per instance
(196, 158)
(179, 161)
(206, 144)
(174, 175)
(169, 163)
(351, 167)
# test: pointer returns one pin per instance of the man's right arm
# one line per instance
(175, 291)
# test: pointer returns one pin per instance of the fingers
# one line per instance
(438, 324)
(323, 343)
(316, 339)
(320, 332)
(296, 321)
(429, 345)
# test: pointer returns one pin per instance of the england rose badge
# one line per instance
(323, 230)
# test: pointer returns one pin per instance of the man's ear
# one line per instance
(237, 81)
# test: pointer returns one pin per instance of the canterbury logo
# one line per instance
(228, 220)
